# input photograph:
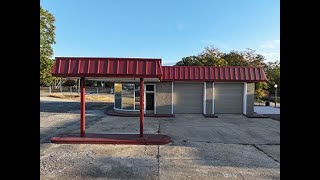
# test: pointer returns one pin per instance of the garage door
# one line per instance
(228, 97)
(188, 98)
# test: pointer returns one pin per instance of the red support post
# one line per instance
(141, 106)
(83, 108)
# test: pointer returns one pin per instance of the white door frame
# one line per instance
(154, 96)
(172, 97)
(212, 97)
(244, 104)
(204, 97)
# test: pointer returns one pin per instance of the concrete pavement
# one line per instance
(228, 147)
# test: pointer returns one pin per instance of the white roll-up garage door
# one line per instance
(188, 97)
(228, 98)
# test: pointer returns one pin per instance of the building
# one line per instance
(169, 89)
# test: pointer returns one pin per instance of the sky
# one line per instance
(166, 29)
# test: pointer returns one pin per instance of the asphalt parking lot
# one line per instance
(228, 147)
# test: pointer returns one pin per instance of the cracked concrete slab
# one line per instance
(195, 169)
(226, 154)
(73, 164)
(258, 135)
(228, 147)
(116, 124)
(271, 150)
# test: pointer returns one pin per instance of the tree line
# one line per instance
(47, 39)
(212, 56)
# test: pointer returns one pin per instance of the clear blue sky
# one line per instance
(167, 29)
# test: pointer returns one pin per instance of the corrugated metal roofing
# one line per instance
(212, 73)
(151, 68)
(107, 67)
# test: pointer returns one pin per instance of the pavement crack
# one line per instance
(145, 150)
(239, 136)
(245, 144)
(159, 131)
(158, 155)
(265, 153)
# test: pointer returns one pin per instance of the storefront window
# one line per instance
(128, 96)
(117, 95)
(137, 96)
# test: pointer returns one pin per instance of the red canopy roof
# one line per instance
(212, 73)
(151, 68)
(107, 67)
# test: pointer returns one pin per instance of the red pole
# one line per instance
(83, 108)
(141, 106)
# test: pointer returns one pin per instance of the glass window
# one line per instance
(137, 96)
(149, 87)
(117, 95)
(128, 96)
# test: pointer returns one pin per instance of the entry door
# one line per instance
(149, 99)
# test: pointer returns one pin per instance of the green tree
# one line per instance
(253, 58)
(189, 61)
(212, 56)
(272, 70)
(47, 39)
(235, 58)
(70, 82)
(260, 90)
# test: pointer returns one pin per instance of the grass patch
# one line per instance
(91, 98)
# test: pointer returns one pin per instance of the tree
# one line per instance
(70, 82)
(272, 70)
(189, 61)
(47, 39)
(212, 56)
(253, 58)
(235, 58)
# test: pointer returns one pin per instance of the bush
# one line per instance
(70, 82)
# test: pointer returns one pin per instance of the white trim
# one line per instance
(245, 87)
(134, 96)
(172, 97)
(114, 96)
(204, 97)
(212, 97)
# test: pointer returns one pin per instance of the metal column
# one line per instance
(83, 108)
(141, 106)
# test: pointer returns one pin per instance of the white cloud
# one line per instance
(270, 44)
(271, 56)
(277, 41)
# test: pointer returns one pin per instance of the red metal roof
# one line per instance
(212, 73)
(107, 67)
(151, 68)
